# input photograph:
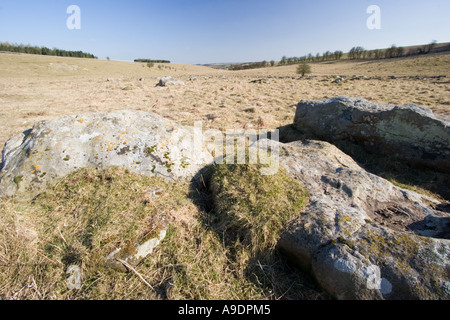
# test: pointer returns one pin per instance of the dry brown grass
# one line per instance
(34, 88)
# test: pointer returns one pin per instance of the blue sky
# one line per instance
(207, 31)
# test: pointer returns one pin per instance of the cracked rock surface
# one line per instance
(344, 240)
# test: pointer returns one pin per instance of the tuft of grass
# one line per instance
(249, 212)
(255, 207)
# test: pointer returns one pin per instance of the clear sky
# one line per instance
(207, 31)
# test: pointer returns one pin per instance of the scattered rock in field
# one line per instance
(410, 132)
(211, 117)
(261, 81)
(339, 236)
(338, 81)
(355, 77)
(250, 110)
(169, 81)
(142, 142)
(110, 80)
(306, 77)
(141, 79)
(192, 78)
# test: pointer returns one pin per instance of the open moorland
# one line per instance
(34, 88)
(218, 235)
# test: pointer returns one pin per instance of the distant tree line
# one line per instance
(151, 61)
(326, 56)
(20, 48)
(251, 65)
(357, 53)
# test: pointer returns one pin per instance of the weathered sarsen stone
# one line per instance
(361, 236)
(140, 141)
(409, 132)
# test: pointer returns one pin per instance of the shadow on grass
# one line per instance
(421, 179)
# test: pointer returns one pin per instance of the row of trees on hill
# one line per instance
(392, 52)
(358, 53)
(326, 56)
(355, 53)
(252, 65)
(20, 48)
(151, 61)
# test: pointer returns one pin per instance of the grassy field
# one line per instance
(216, 247)
(34, 88)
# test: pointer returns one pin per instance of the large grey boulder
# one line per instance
(169, 81)
(142, 142)
(361, 236)
(408, 132)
